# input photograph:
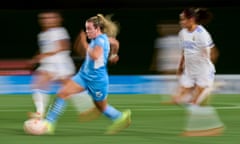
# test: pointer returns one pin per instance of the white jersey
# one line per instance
(61, 64)
(47, 43)
(197, 46)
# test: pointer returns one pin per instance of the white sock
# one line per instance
(40, 99)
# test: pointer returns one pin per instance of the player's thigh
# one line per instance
(199, 89)
(41, 79)
(70, 88)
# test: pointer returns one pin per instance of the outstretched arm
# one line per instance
(61, 45)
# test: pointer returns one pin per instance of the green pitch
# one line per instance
(152, 123)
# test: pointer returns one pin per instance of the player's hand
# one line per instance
(113, 59)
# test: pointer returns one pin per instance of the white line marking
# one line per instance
(141, 108)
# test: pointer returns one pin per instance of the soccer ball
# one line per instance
(35, 126)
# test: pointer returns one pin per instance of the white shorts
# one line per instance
(58, 70)
(203, 80)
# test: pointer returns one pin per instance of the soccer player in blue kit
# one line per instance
(92, 76)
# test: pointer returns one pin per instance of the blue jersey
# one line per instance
(96, 69)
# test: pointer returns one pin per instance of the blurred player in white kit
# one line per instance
(196, 69)
(55, 63)
(197, 72)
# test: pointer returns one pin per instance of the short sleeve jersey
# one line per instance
(196, 46)
(96, 69)
(47, 43)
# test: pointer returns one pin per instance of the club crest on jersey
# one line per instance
(98, 94)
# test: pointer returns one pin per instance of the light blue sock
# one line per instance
(112, 113)
(56, 110)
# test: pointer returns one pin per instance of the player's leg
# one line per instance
(85, 106)
(202, 95)
(81, 101)
(46, 74)
(58, 106)
(204, 86)
(185, 90)
(202, 120)
(120, 119)
(40, 93)
(183, 96)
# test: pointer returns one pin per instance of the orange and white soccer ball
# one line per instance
(35, 126)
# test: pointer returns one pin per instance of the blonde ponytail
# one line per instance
(109, 27)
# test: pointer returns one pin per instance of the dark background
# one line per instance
(138, 19)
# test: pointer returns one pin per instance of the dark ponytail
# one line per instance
(201, 15)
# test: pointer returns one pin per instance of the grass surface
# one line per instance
(152, 123)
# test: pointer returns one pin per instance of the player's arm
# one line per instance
(114, 48)
(209, 47)
(62, 45)
(181, 65)
(214, 54)
(95, 52)
(182, 59)
(114, 44)
(80, 45)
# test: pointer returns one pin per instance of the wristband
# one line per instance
(112, 56)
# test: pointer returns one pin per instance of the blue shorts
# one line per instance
(97, 89)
